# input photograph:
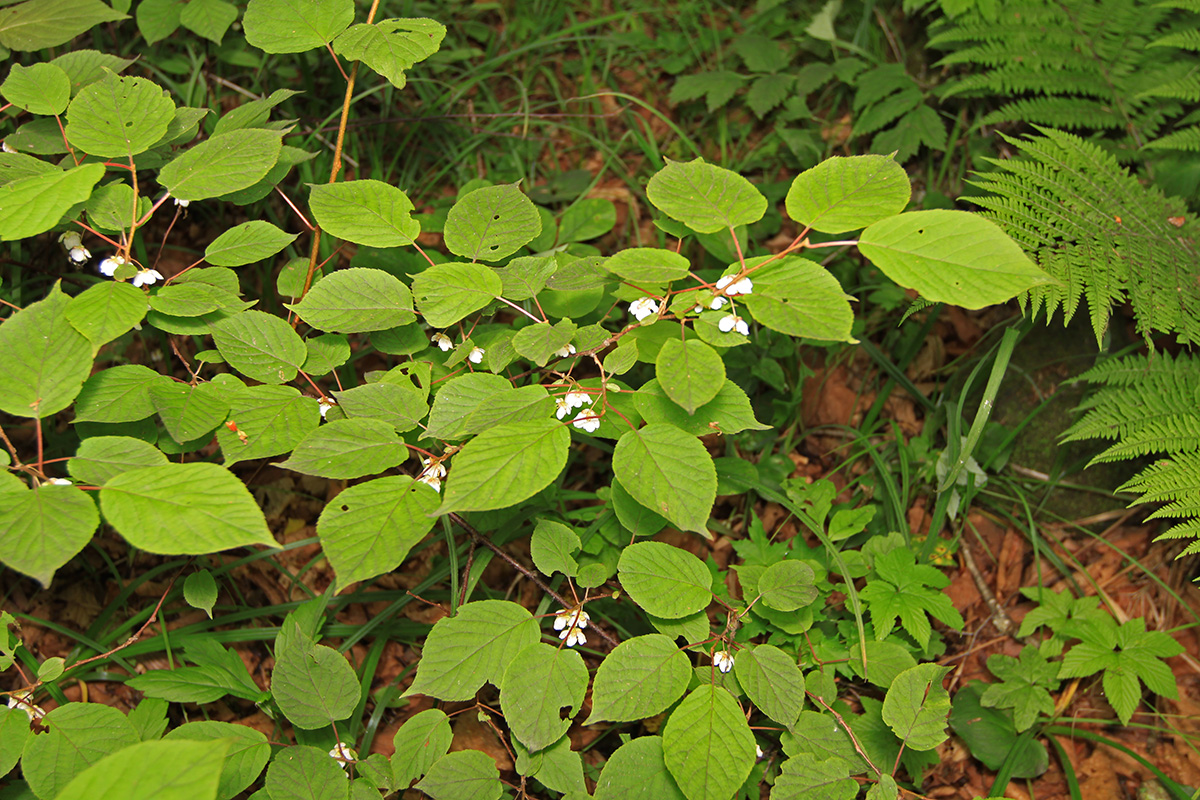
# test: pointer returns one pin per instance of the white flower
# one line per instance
(432, 473)
(586, 420)
(562, 409)
(59, 482)
(109, 265)
(571, 622)
(563, 352)
(24, 701)
(758, 751)
(343, 753)
(70, 240)
(182, 203)
(577, 400)
(442, 341)
(733, 322)
(723, 660)
(79, 255)
(573, 636)
(643, 308)
(476, 355)
(146, 277)
(744, 286)
(717, 301)
(325, 404)
(5, 147)
(724, 281)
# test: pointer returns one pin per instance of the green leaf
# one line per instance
(728, 412)
(176, 770)
(347, 448)
(845, 194)
(111, 209)
(907, 590)
(391, 46)
(524, 277)
(14, 732)
(118, 117)
(117, 394)
(991, 736)
(458, 399)
(446, 293)
(787, 585)
(314, 685)
(621, 359)
(668, 471)
(326, 353)
(804, 777)
(101, 458)
(1025, 686)
(541, 692)
(274, 420)
(189, 412)
(158, 19)
(399, 406)
(369, 528)
(587, 219)
(193, 299)
(208, 18)
(288, 26)
(717, 87)
(472, 648)
(799, 297)
(773, 682)
(505, 465)
(705, 197)
(42, 528)
(40, 88)
(223, 164)
(261, 346)
(553, 547)
(664, 580)
(184, 509)
(81, 734)
(707, 744)
(305, 772)
(365, 212)
(522, 404)
(951, 257)
(43, 360)
(246, 243)
(491, 223)
(633, 516)
(540, 341)
(916, 706)
(885, 660)
(639, 679)
(689, 372)
(200, 591)
(420, 741)
(38, 24)
(463, 775)
(244, 761)
(219, 671)
(106, 311)
(637, 771)
(648, 265)
(33, 205)
(356, 300)
(822, 736)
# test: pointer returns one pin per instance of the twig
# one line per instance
(1001, 620)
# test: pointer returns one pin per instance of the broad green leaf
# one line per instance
(472, 648)
(44, 361)
(293, 26)
(314, 685)
(174, 770)
(101, 458)
(149, 718)
(621, 359)
(491, 223)
(885, 660)
(664, 580)
(787, 585)
(639, 679)
(805, 777)
(821, 735)
(391, 46)
(522, 404)
(541, 692)
(367, 212)
(991, 735)
(249, 242)
(420, 741)
(648, 265)
(705, 197)
(193, 299)
(200, 591)
(118, 117)
(845, 194)
(637, 771)
(222, 164)
(260, 346)
(326, 353)
(117, 394)
(184, 509)
(633, 516)
(33, 205)
(208, 18)
(189, 412)
(356, 300)
(347, 448)
(81, 734)
(14, 732)
(587, 219)
(668, 471)
(553, 547)
(38, 24)
(446, 293)
(220, 277)
(690, 372)
(274, 420)
(540, 341)
(707, 744)
(505, 465)
(304, 773)
(111, 209)
(524, 277)
(773, 682)
(456, 401)
(916, 706)
(244, 761)
(369, 528)
(557, 767)
(253, 114)
(463, 775)
(800, 298)
(40, 88)
(728, 412)
(88, 66)
(1025, 686)
(42, 528)
(158, 19)
(106, 310)
(14, 166)
(951, 257)
(402, 407)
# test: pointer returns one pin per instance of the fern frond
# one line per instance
(1185, 88)
(1184, 40)
(1185, 139)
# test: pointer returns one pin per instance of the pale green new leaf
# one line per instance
(184, 509)
(463, 775)
(505, 465)
(44, 361)
(38, 24)
(633, 516)
(293, 26)
(472, 648)
(541, 692)
(14, 729)
(356, 300)
(304, 773)
(705, 197)
(420, 741)
(773, 682)
(553, 547)
(101, 458)
(274, 420)
(707, 744)
(446, 293)
(845, 194)
(664, 580)
(639, 679)
(189, 412)
(106, 311)
(81, 734)
(223, 164)
(33, 205)
(200, 591)
(366, 212)
(689, 372)
(491, 223)
(951, 257)
(260, 346)
(111, 209)
(648, 265)
(916, 706)
(728, 412)
(246, 243)
(799, 297)
(347, 448)
(118, 117)
(668, 471)
(244, 761)
(42, 528)
(175, 770)
(637, 771)
(458, 399)
(40, 88)
(117, 394)
(314, 685)
(391, 46)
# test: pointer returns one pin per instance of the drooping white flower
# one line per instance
(758, 751)
(744, 286)
(432, 473)
(70, 240)
(79, 255)
(343, 753)
(724, 281)
(643, 307)
(577, 399)
(723, 660)
(571, 618)
(6, 148)
(109, 265)
(325, 404)
(182, 203)
(733, 322)
(442, 341)
(59, 482)
(476, 355)
(146, 277)
(573, 636)
(587, 421)
(24, 701)
(561, 407)
(565, 351)
(717, 301)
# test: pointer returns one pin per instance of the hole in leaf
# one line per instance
(345, 507)
(495, 247)
(564, 712)
(496, 218)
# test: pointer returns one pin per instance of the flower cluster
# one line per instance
(570, 401)
(72, 242)
(570, 622)
(144, 277)
(731, 287)
(432, 473)
(723, 660)
(343, 753)
(643, 308)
